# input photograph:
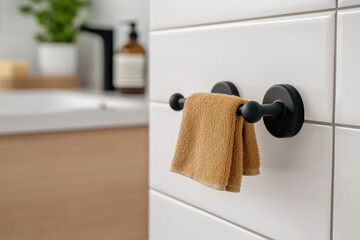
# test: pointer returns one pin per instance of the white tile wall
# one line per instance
(110, 13)
(113, 12)
(347, 180)
(291, 196)
(16, 34)
(346, 3)
(348, 67)
(185, 222)
(195, 44)
(255, 55)
(175, 13)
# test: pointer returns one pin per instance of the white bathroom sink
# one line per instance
(46, 102)
(32, 111)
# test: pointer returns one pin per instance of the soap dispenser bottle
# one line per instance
(129, 65)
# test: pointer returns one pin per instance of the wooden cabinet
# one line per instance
(85, 185)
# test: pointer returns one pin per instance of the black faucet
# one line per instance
(108, 38)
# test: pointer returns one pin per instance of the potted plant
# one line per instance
(57, 51)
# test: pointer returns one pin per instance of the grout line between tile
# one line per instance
(318, 123)
(158, 101)
(348, 7)
(333, 130)
(347, 126)
(329, 124)
(241, 20)
(210, 213)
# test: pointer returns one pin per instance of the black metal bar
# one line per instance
(182, 102)
(282, 109)
(276, 109)
(251, 111)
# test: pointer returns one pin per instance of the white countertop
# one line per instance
(35, 111)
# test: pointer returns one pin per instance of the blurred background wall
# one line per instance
(17, 34)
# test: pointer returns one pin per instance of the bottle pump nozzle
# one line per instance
(133, 33)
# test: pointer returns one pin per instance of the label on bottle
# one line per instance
(129, 70)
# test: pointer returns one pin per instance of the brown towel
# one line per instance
(215, 147)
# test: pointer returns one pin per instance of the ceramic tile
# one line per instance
(15, 23)
(348, 67)
(171, 219)
(347, 3)
(175, 13)
(110, 14)
(291, 197)
(346, 188)
(255, 55)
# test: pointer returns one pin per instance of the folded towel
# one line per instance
(215, 147)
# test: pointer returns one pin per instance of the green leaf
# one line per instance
(41, 37)
(27, 9)
(56, 18)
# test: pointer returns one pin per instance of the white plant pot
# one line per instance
(57, 59)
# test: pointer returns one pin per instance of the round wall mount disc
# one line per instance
(291, 122)
(225, 88)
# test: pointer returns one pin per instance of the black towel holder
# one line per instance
(282, 108)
